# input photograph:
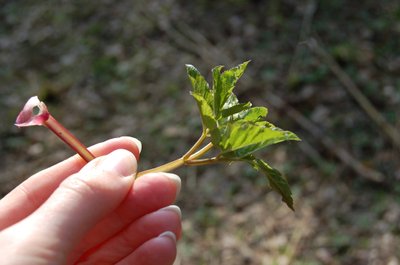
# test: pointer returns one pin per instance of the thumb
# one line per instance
(84, 198)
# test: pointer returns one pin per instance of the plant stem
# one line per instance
(201, 152)
(191, 160)
(196, 145)
(202, 162)
(163, 168)
(68, 138)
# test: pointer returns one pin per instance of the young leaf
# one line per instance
(206, 112)
(231, 101)
(276, 181)
(228, 81)
(217, 89)
(223, 84)
(254, 114)
(235, 109)
(199, 84)
(241, 138)
(237, 129)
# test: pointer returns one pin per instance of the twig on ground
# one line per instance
(341, 153)
(304, 32)
(355, 92)
(185, 38)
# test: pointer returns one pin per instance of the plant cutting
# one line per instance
(231, 131)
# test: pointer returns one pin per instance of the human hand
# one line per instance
(73, 213)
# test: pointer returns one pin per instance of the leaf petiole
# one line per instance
(201, 152)
(163, 168)
(196, 145)
(202, 162)
(191, 158)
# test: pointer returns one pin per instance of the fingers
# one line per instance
(134, 236)
(83, 199)
(157, 251)
(28, 196)
(150, 193)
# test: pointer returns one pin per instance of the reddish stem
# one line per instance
(68, 138)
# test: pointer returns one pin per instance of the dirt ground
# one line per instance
(327, 70)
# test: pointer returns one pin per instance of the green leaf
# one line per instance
(229, 79)
(235, 109)
(206, 112)
(237, 129)
(276, 181)
(241, 138)
(207, 117)
(231, 101)
(217, 89)
(199, 84)
(223, 84)
(254, 114)
(243, 110)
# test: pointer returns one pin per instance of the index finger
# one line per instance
(30, 194)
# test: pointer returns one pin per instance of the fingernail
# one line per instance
(173, 208)
(176, 179)
(119, 161)
(138, 144)
(168, 234)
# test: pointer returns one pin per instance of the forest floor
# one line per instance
(327, 70)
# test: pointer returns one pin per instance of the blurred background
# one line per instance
(327, 70)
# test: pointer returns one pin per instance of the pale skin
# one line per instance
(94, 213)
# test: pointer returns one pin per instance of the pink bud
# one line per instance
(28, 117)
